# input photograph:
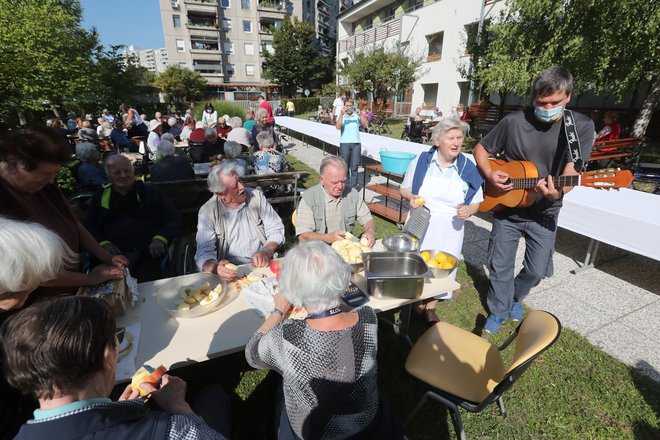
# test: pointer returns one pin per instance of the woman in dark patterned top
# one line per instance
(328, 360)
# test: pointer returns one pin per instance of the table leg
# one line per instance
(402, 324)
(590, 258)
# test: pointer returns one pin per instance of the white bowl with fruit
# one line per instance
(440, 263)
(196, 299)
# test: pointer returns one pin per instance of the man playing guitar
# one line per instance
(535, 134)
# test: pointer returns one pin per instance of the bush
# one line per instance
(222, 107)
(303, 105)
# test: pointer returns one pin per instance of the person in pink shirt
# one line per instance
(265, 105)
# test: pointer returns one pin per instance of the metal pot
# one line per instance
(395, 274)
(401, 243)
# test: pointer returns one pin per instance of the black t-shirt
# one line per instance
(521, 136)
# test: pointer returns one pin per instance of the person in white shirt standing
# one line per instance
(337, 106)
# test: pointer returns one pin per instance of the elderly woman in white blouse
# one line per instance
(328, 360)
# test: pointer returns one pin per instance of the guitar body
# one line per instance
(495, 200)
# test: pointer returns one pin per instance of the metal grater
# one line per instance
(418, 223)
(353, 296)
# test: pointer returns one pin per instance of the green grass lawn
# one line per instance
(573, 391)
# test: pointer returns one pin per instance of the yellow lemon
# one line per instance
(426, 256)
(432, 264)
(420, 201)
(445, 265)
(440, 257)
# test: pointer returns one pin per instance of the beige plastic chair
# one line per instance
(467, 371)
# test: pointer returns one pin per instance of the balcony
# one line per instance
(382, 32)
(204, 45)
(268, 26)
(272, 5)
(201, 5)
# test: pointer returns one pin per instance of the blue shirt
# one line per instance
(350, 129)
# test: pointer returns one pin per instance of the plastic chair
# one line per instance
(467, 371)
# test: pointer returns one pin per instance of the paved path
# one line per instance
(616, 305)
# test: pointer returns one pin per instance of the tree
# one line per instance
(383, 73)
(181, 85)
(295, 61)
(47, 58)
(612, 48)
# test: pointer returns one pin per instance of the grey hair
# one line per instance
(167, 137)
(260, 112)
(232, 149)
(446, 125)
(265, 139)
(88, 134)
(334, 161)
(236, 121)
(314, 276)
(210, 134)
(226, 168)
(32, 255)
(551, 80)
(165, 149)
(84, 151)
(171, 121)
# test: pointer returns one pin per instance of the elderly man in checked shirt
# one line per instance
(237, 225)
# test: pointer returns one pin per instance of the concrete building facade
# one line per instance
(223, 39)
(434, 29)
(154, 60)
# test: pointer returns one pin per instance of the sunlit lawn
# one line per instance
(574, 391)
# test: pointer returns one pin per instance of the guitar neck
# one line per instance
(559, 181)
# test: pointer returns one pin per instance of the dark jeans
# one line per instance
(539, 247)
(352, 154)
(212, 404)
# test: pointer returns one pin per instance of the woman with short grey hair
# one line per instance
(232, 149)
(169, 166)
(89, 174)
(448, 184)
(327, 360)
(262, 125)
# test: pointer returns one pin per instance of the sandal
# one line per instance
(431, 316)
(419, 309)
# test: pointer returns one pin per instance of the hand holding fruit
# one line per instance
(227, 270)
(416, 202)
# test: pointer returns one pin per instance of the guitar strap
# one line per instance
(573, 141)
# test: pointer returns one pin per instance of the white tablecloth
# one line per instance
(626, 218)
(371, 143)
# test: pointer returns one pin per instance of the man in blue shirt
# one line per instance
(349, 141)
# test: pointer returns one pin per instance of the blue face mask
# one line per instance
(548, 115)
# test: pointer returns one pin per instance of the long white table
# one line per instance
(169, 341)
(625, 219)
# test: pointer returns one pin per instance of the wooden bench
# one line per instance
(190, 195)
(628, 149)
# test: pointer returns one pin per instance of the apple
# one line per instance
(275, 267)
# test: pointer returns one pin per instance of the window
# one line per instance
(176, 19)
(245, 4)
(226, 25)
(180, 46)
(229, 47)
(435, 46)
(231, 69)
(249, 49)
(247, 26)
(183, 65)
(249, 69)
(268, 46)
(208, 67)
(225, 4)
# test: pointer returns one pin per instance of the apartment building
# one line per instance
(435, 29)
(154, 60)
(222, 39)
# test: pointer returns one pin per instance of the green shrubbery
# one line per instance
(222, 107)
(303, 105)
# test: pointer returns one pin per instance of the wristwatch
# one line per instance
(278, 311)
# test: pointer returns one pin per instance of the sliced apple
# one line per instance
(210, 298)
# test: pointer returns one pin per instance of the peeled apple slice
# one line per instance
(231, 266)
(364, 242)
(210, 298)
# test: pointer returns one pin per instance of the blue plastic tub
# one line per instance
(395, 161)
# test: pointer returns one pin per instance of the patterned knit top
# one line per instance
(329, 377)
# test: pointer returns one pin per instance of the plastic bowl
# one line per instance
(169, 298)
(401, 243)
(441, 273)
(395, 161)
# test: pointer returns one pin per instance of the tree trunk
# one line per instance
(21, 118)
(650, 102)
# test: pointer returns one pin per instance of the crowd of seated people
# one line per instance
(129, 225)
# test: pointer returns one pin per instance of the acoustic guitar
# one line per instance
(524, 176)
